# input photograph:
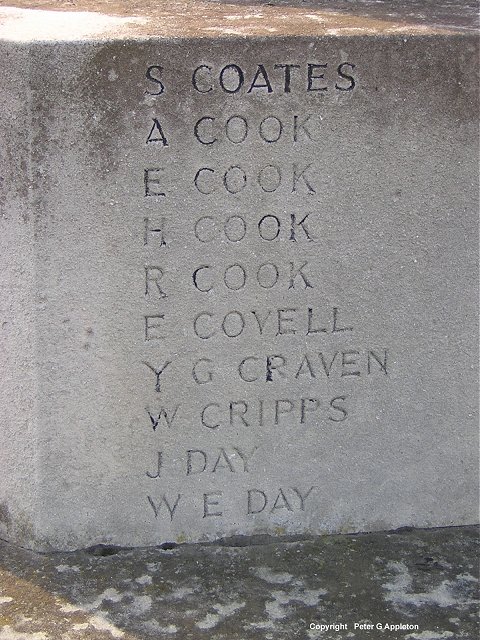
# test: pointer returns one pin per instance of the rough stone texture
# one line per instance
(357, 409)
(265, 592)
(90, 19)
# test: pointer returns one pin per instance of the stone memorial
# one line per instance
(239, 269)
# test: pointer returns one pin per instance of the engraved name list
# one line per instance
(266, 355)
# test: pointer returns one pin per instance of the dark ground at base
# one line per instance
(274, 591)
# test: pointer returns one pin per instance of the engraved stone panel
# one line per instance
(241, 279)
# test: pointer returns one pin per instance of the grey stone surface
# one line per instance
(418, 585)
(236, 312)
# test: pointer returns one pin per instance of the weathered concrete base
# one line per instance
(268, 591)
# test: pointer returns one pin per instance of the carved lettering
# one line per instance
(203, 132)
(335, 404)
(231, 78)
(170, 508)
(152, 327)
(303, 496)
(244, 375)
(156, 229)
(256, 501)
(206, 416)
(157, 372)
(153, 275)
(269, 178)
(287, 69)
(285, 319)
(223, 462)
(236, 129)
(247, 216)
(269, 227)
(238, 409)
(299, 126)
(152, 181)
(282, 407)
(281, 502)
(205, 375)
(235, 228)
(285, 499)
(345, 76)
(156, 134)
(201, 79)
(163, 413)
(196, 461)
(261, 81)
(234, 460)
(210, 501)
(295, 271)
(315, 74)
(271, 129)
(312, 77)
(159, 466)
(282, 412)
(294, 224)
(300, 174)
(152, 74)
(355, 363)
(275, 364)
(308, 405)
(235, 179)
(380, 360)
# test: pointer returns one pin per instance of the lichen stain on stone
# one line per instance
(7, 633)
(105, 106)
(23, 530)
(200, 583)
(222, 611)
(449, 593)
(270, 576)
(430, 635)
(5, 517)
(46, 132)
